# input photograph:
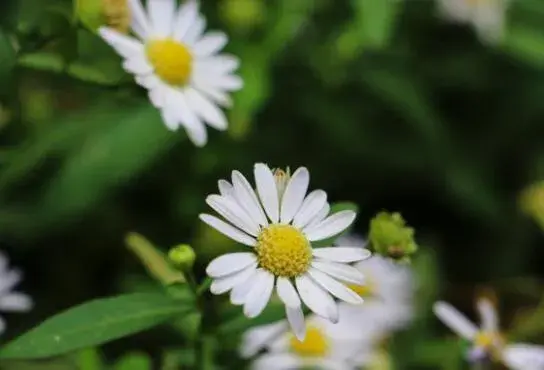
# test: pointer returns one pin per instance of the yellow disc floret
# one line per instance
(492, 342)
(314, 344)
(171, 60)
(283, 250)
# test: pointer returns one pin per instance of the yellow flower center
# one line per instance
(283, 250)
(171, 60)
(314, 344)
(492, 342)
(366, 290)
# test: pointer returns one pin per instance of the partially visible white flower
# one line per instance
(487, 341)
(11, 301)
(279, 222)
(339, 346)
(486, 16)
(179, 64)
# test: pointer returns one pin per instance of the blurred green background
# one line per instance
(387, 104)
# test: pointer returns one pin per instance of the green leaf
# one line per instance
(377, 19)
(89, 359)
(94, 323)
(134, 361)
(7, 57)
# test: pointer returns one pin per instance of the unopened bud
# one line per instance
(390, 237)
(182, 256)
(97, 13)
(243, 15)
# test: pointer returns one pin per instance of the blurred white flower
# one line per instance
(178, 64)
(11, 301)
(280, 224)
(487, 341)
(339, 346)
(486, 16)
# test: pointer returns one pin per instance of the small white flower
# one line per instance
(280, 224)
(326, 345)
(178, 64)
(11, 301)
(486, 16)
(487, 341)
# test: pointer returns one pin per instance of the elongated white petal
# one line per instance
(217, 64)
(337, 289)
(455, 320)
(332, 225)
(521, 356)
(9, 280)
(210, 44)
(168, 117)
(161, 13)
(215, 94)
(224, 82)
(342, 254)
(184, 19)
(259, 337)
(259, 295)
(225, 188)
(278, 361)
(320, 216)
(139, 22)
(340, 271)
(226, 283)
(488, 315)
(15, 302)
(247, 198)
(195, 31)
(268, 192)
(228, 230)
(287, 292)
(149, 81)
(310, 208)
(294, 194)
(316, 298)
(239, 293)
(233, 213)
(206, 110)
(295, 317)
(230, 263)
(157, 96)
(126, 46)
(196, 131)
(137, 65)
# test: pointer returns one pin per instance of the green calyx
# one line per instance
(389, 236)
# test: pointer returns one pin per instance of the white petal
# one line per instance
(316, 298)
(228, 82)
(259, 337)
(210, 44)
(161, 13)
(137, 65)
(259, 295)
(208, 111)
(455, 320)
(247, 198)
(193, 125)
(277, 361)
(488, 315)
(139, 22)
(214, 93)
(233, 213)
(342, 254)
(337, 289)
(125, 45)
(311, 206)
(9, 280)
(230, 263)
(295, 317)
(520, 356)
(320, 216)
(332, 225)
(157, 96)
(268, 192)
(228, 230)
(287, 292)
(239, 293)
(294, 194)
(15, 302)
(340, 271)
(149, 81)
(217, 65)
(225, 188)
(168, 117)
(195, 31)
(224, 284)
(185, 18)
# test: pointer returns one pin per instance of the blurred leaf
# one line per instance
(376, 19)
(153, 259)
(94, 323)
(89, 359)
(134, 361)
(528, 326)
(7, 57)
(526, 43)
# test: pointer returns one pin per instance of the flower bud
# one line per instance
(97, 13)
(243, 15)
(182, 256)
(390, 237)
(532, 202)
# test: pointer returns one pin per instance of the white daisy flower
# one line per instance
(326, 345)
(388, 289)
(178, 64)
(487, 341)
(486, 16)
(280, 222)
(11, 301)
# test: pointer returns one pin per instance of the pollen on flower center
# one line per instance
(171, 60)
(314, 344)
(283, 250)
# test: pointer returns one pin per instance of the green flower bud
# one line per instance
(243, 15)
(96, 13)
(532, 202)
(182, 256)
(390, 237)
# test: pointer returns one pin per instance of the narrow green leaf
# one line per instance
(94, 323)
